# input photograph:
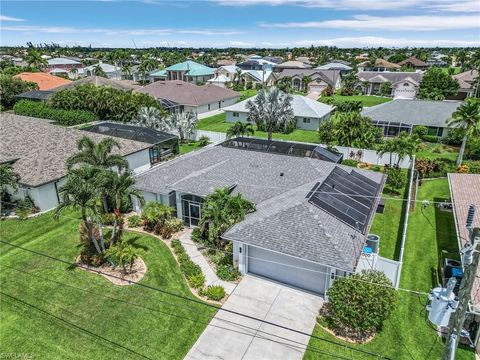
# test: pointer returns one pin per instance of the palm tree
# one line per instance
(149, 117)
(98, 71)
(79, 192)
(119, 187)
(305, 81)
(240, 129)
(237, 77)
(182, 123)
(34, 59)
(74, 72)
(389, 146)
(271, 110)
(8, 177)
(467, 116)
(147, 65)
(97, 154)
(127, 70)
(124, 254)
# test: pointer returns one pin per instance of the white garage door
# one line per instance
(404, 94)
(287, 269)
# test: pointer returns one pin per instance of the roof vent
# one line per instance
(281, 174)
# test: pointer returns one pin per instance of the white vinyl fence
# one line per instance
(363, 155)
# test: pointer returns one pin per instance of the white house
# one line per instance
(112, 71)
(224, 75)
(308, 113)
(38, 150)
(404, 85)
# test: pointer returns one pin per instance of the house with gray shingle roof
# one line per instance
(403, 115)
(308, 113)
(38, 150)
(308, 227)
(404, 85)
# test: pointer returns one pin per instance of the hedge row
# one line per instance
(45, 111)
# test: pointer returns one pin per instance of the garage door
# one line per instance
(287, 269)
(404, 94)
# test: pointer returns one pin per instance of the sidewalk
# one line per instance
(211, 277)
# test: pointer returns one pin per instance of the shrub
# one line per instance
(420, 130)
(196, 281)
(434, 168)
(197, 235)
(395, 178)
(134, 221)
(359, 304)
(204, 140)
(44, 111)
(474, 166)
(350, 162)
(10, 87)
(169, 227)
(454, 136)
(214, 292)
(108, 219)
(227, 273)
(177, 247)
(464, 169)
(325, 131)
(472, 150)
(155, 214)
(430, 138)
(189, 268)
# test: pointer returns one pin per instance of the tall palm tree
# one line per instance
(271, 110)
(305, 81)
(79, 192)
(240, 129)
(34, 58)
(389, 146)
(98, 154)
(237, 77)
(119, 187)
(74, 72)
(467, 116)
(98, 71)
(150, 117)
(147, 65)
(127, 70)
(182, 123)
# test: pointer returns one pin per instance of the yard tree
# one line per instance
(10, 87)
(8, 179)
(240, 129)
(386, 88)
(353, 129)
(98, 71)
(437, 85)
(271, 110)
(34, 59)
(182, 123)
(149, 117)
(467, 116)
(349, 82)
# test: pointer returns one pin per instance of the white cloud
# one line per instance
(9, 18)
(374, 41)
(397, 23)
(241, 44)
(441, 5)
(111, 32)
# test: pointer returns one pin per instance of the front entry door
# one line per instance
(194, 214)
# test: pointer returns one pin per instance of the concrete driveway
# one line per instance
(231, 337)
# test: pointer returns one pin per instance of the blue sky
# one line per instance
(242, 23)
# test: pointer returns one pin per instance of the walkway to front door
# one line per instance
(232, 337)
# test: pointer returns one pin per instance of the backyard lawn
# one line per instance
(51, 311)
(408, 334)
(366, 100)
(188, 147)
(245, 94)
(218, 123)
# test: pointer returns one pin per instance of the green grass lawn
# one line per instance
(437, 151)
(407, 333)
(51, 311)
(457, 70)
(245, 94)
(366, 100)
(218, 123)
(188, 147)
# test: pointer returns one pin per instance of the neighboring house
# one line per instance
(403, 115)
(188, 71)
(292, 64)
(181, 96)
(112, 71)
(162, 144)
(308, 113)
(225, 62)
(43, 80)
(224, 75)
(342, 67)
(466, 80)
(274, 59)
(304, 59)
(61, 63)
(414, 63)
(299, 234)
(38, 150)
(405, 85)
(380, 65)
(256, 62)
(319, 79)
(257, 78)
(464, 192)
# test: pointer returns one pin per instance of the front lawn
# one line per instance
(407, 334)
(214, 123)
(365, 99)
(51, 311)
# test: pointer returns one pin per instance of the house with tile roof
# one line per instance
(336, 65)
(188, 71)
(177, 95)
(298, 224)
(308, 113)
(404, 85)
(414, 63)
(43, 80)
(292, 64)
(37, 151)
(466, 80)
(379, 65)
(319, 79)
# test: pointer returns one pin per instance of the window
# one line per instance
(306, 120)
(208, 106)
(406, 84)
(235, 114)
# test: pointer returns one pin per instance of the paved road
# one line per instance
(232, 337)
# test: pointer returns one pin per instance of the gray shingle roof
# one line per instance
(393, 76)
(413, 112)
(43, 148)
(329, 76)
(284, 221)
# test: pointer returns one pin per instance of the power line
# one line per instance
(207, 323)
(200, 302)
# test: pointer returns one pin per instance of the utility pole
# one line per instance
(470, 260)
